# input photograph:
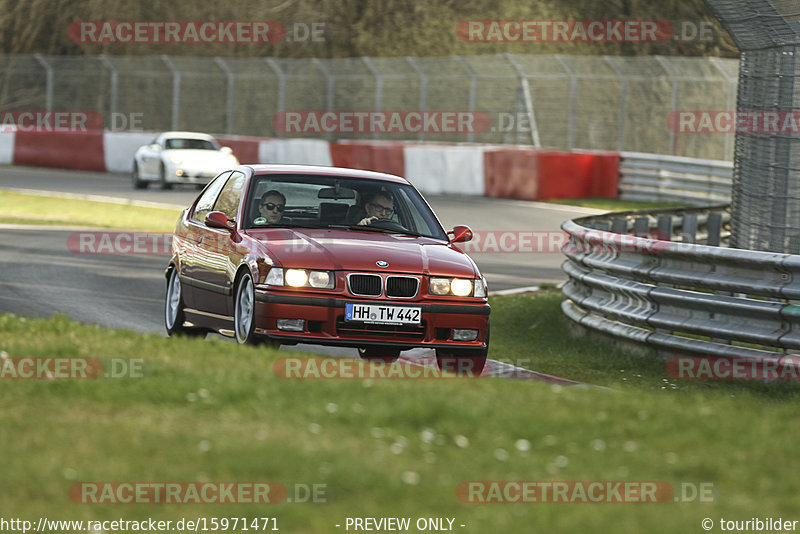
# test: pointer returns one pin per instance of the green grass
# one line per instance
(611, 204)
(18, 208)
(211, 410)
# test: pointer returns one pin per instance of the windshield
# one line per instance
(194, 144)
(313, 201)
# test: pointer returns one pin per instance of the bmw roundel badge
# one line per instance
(381, 263)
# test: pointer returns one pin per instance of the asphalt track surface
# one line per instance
(39, 276)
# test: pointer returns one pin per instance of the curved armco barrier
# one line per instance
(681, 297)
(518, 172)
(64, 150)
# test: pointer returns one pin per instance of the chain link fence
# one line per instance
(564, 102)
(765, 209)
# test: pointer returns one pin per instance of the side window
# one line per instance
(206, 203)
(228, 201)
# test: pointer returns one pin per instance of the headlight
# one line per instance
(440, 286)
(296, 277)
(460, 287)
(480, 288)
(300, 278)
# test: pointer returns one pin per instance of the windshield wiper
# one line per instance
(368, 228)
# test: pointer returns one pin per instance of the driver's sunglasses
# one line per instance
(270, 206)
(381, 209)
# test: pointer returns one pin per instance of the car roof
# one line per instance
(188, 135)
(344, 172)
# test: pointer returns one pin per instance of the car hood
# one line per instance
(329, 249)
(198, 158)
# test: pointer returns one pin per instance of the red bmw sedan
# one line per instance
(286, 254)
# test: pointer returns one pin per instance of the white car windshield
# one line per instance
(193, 144)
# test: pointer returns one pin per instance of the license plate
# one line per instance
(380, 314)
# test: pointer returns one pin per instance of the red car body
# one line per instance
(215, 253)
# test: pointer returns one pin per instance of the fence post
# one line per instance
(378, 87)
(176, 90)
(281, 87)
(229, 96)
(673, 149)
(329, 91)
(423, 91)
(623, 95)
(473, 88)
(114, 86)
(526, 89)
(49, 73)
(573, 95)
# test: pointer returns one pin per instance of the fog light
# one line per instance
(464, 334)
(179, 172)
(293, 325)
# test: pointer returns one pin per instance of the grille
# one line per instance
(401, 286)
(366, 285)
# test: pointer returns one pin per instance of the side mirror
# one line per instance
(226, 150)
(460, 234)
(156, 147)
(217, 219)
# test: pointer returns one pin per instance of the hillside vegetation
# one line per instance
(355, 28)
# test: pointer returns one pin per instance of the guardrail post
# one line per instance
(641, 227)
(619, 226)
(714, 226)
(689, 228)
(665, 227)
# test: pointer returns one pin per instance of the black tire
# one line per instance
(244, 308)
(173, 309)
(162, 178)
(379, 354)
(466, 362)
(137, 182)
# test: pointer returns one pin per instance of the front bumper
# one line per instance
(325, 324)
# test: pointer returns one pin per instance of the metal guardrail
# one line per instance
(681, 296)
(674, 179)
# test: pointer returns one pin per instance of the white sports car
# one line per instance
(180, 158)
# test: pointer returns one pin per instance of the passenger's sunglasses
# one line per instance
(270, 206)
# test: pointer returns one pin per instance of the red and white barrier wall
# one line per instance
(505, 171)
